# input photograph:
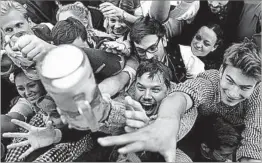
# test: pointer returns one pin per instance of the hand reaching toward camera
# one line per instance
(136, 116)
(37, 137)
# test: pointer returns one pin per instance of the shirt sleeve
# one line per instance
(252, 134)
(115, 122)
(173, 26)
(202, 89)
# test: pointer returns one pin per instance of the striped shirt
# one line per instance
(205, 93)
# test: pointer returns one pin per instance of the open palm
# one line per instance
(37, 137)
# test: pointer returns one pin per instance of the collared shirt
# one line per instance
(205, 93)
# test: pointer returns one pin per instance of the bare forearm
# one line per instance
(130, 19)
(114, 84)
(159, 10)
(174, 105)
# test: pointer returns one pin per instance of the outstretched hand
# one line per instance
(160, 136)
(136, 116)
(37, 137)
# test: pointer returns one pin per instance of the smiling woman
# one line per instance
(29, 91)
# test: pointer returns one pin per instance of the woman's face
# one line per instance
(29, 89)
(117, 27)
(204, 42)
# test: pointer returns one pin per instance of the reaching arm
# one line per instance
(154, 136)
(115, 84)
(159, 10)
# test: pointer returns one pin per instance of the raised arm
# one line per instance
(159, 10)
(115, 84)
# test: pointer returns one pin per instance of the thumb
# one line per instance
(49, 125)
(136, 105)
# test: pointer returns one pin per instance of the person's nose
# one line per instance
(234, 92)
(199, 44)
(147, 94)
(117, 25)
(27, 92)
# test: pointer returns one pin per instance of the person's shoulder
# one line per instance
(210, 75)
(256, 95)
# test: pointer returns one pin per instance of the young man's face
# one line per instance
(151, 46)
(14, 22)
(235, 86)
(217, 6)
(150, 92)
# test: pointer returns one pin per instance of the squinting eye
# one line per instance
(19, 25)
(198, 37)
(9, 30)
(206, 44)
(156, 90)
(140, 88)
(21, 89)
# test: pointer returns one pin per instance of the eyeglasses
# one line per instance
(152, 49)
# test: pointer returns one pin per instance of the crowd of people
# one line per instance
(131, 81)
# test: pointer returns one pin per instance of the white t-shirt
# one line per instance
(192, 63)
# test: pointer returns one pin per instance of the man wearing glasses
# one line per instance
(148, 40)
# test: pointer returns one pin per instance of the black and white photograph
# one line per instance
(131, 80)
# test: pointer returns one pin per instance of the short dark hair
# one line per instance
(154, 67)
(217, 132)
(245, 56)
(144, 26)
(66, 31)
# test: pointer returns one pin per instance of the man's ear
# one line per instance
(221, 70)
(164, 41)
(205, 147)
